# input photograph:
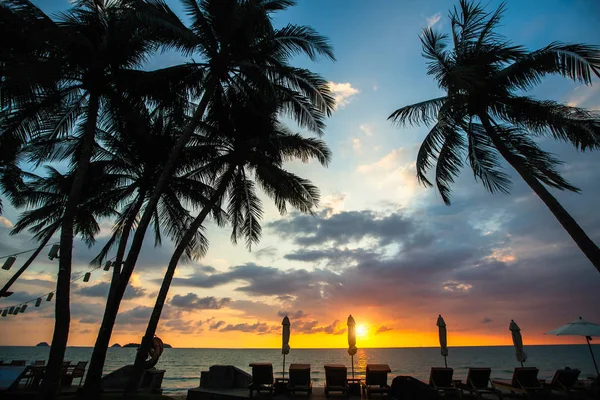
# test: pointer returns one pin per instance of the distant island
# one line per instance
(136, 345)
(42, 344)
(116, 345)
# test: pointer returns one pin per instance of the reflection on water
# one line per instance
(183, 366)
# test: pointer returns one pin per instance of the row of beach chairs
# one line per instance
(34, 372)
(441, 380)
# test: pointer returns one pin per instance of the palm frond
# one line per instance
(424, 112)
(449, 162)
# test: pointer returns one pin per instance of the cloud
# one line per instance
(382, 329)
(375, 88)
(433, 19)
(292, 314)
(216, 325)
(258, 327)
(312, 327)
(101, 290)
(269, 252)
(366, 129)
(192, 301)
(343, 93)
(5, 222)
(486, 320)
(356, 144)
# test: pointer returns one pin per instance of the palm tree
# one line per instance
(45, 196)
(486, 114)
(78, 68)
(252, 148)
(140, 154)
(240, 48)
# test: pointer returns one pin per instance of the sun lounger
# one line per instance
(479, 383)
(73, 372)
(376, 379)
(441, 381)
(299, 380)
(565, 380)
(335, 379)
(524, 381)
(262, 378)
(17, 363)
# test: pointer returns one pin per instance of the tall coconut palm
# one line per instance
(238, 47)
(141, 155)
(61, 91)
(252, 146)
(45, 198)
(486, 114)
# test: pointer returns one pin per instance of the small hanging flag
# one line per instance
(5, 312)
(23, 308)
(38, 302)
(86, 277)
(9, 262)
(107, 265)
(11, 310)
(17, 309)
(50, 296)
(53, 253)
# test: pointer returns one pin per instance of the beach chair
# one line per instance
(39, 363)
(564, 380)
(17, 363)
(376, 379)
(73, 372)
(440, 380)
(524, 381)
(335, 379)
(262, 378)
(299, 379)
(479, 383)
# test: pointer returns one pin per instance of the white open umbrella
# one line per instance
(579, 327)
(352, 340)
(443, 338)
(285, 347)
(517, 341)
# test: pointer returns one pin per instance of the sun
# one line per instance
(361, 330)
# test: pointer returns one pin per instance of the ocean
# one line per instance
(183, 366)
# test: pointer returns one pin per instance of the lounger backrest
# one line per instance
(19, 363)
(565, 377)
(299, 376)
(441, 377)
(376, 376)
(525, 377)
(336, 375)
(478, 377)
(262, 374)
(80, 367)
(39, 362)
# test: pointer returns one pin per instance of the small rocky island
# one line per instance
(42, 344)
(116, 345)
(136, 345)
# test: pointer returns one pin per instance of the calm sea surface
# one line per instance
(183, 366)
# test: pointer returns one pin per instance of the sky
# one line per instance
(380, 247)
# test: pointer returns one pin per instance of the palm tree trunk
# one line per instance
(138, 237)
(17, 274)
(51, 382)
(583, 241)
(166, 283)
(93, 379)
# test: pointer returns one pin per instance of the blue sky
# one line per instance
(381, 246)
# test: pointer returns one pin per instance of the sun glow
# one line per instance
(361, 330)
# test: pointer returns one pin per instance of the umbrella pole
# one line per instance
(592, 353)
(445, 362)
(284, 365)
(352, 367)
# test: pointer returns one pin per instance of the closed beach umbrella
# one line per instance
(352, 340)
(443, 338)
(517, 341)
(285, 346)
(580, 327)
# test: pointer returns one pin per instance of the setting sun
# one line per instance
(361, 330)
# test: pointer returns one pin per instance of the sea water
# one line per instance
(183, 366)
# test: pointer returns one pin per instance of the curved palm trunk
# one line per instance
(17, 274)
(138, 237)
(589, 248)
(51, 382)
(92, 381)
(164, 289)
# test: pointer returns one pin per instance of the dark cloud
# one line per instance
(310, 327)
(269, 252)
(292, 314)
(383, 328)
(487, 320)
(258, 327)
(216, 325)
(192, 301)
(345, 227)
(101, 290)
